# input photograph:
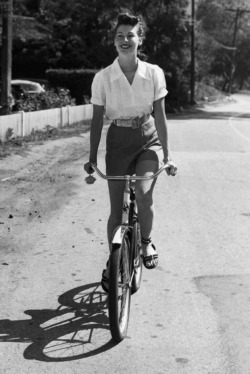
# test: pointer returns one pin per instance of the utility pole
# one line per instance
(238, 13)
(6, 68)
(192, 80)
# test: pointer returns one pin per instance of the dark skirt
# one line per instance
(126, 146)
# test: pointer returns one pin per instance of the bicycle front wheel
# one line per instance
(119, 290)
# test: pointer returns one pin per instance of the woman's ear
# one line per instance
(140, 41)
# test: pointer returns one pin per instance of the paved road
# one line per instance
(191, 315)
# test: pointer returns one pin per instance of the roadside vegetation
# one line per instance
(54, 98)
(21, 145)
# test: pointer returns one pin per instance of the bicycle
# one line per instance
(125, 262)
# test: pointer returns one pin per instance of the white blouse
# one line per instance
(120, 99)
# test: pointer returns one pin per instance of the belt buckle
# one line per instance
(135, 123)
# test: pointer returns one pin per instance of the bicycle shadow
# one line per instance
(78, 328)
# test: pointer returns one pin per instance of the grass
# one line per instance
(18, 145)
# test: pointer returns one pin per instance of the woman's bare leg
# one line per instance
(144, 198)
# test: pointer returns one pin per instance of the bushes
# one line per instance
(77, 81)
(45, 100)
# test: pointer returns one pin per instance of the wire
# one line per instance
(214, 40)
(195, 23)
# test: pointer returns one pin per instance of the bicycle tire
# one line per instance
(137, 258)
(119, 290)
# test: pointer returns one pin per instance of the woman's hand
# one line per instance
(172, 168)
(88, 168)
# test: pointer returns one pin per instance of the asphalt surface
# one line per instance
(191, 315)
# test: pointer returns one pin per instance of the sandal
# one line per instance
(150, 261)
(105, 279)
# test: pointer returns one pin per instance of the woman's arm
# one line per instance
(161, 127)
(162, 130)
(96, 131)
(95, 136)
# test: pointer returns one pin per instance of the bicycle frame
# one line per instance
(125, 261)
(121, 230)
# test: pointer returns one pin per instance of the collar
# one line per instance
(116, 71)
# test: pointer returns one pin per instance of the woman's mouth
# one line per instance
(125, 46)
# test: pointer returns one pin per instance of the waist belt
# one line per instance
(135, 123)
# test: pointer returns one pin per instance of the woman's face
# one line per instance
(127, 39)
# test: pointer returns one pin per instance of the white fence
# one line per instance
(24, 123)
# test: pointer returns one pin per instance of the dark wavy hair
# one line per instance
(129, 19)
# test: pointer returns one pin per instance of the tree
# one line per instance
(79, 34)
(242, 71)
(215, 31)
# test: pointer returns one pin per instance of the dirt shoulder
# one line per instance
(36, 182)
(20, 145)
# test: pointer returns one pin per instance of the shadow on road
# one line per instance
(78, 328)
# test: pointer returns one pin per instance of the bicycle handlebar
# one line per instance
(129, 177)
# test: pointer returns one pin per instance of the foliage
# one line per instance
(81, 36)
(242, 66)
(45, 100)
(26, 7)
(78, 35)
(9, 133)
(78, 82)
(215, 34)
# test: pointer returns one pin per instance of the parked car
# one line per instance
(19, 86)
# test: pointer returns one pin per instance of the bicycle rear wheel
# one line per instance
(137, 258)
(119, 290)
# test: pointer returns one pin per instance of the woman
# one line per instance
(127, 92)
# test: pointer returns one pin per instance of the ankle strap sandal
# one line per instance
(150, 261)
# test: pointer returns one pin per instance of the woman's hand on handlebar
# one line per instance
(172, 168)
(88, 168)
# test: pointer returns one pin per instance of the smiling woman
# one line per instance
(128, 91)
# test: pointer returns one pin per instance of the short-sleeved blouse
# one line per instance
(121, 99)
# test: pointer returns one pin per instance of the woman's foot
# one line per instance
(105, 278)
(150, 256)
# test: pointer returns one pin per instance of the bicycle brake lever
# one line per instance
(90, 179)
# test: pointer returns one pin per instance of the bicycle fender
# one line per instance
(119, 234)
